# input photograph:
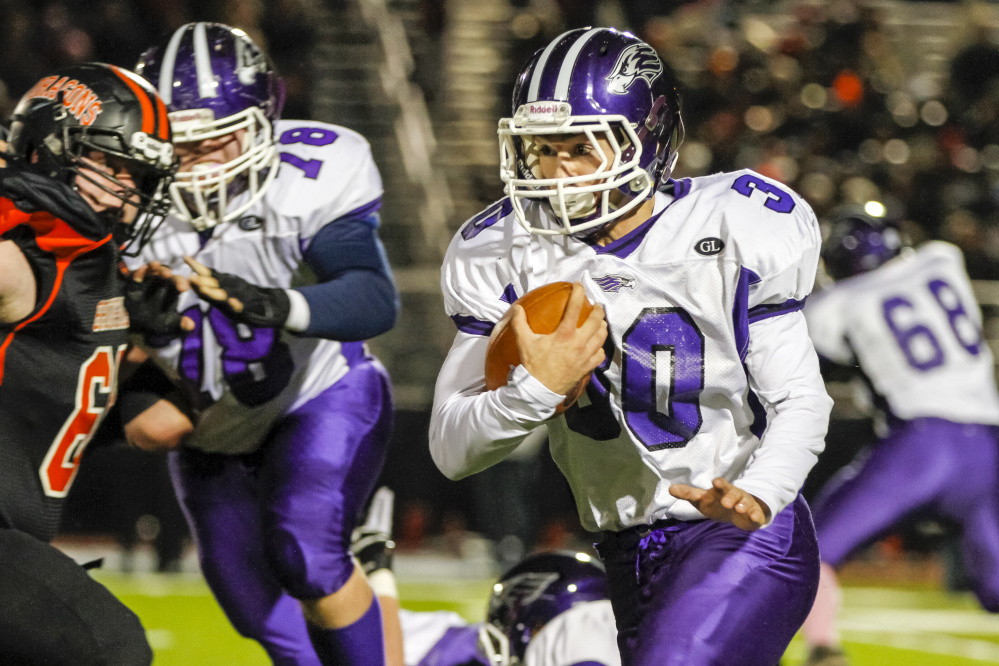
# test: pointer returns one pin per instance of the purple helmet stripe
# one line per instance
(565, 74)
(207, 85)
(166, 67)
(532, 92)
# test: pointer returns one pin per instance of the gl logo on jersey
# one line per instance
(638, 61)
(709, 246)
(614, 283)
(250, 222)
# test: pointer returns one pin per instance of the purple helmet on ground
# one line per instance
(606, 85)
(215, 82)
(530, 595)
(857, 243)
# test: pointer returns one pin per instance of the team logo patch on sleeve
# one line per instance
(638, 61)
(111, 315)
(615, 283)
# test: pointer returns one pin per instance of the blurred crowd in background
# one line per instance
(42, 34)
(825, 104)
(822, 104)
(820, 100)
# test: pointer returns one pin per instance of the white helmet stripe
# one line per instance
(532, 92)
(207, 85)
(166, 67)
(565, 74)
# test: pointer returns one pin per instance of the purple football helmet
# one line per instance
(215, 81)
(531, 594)
(858, 243)
(606, 85)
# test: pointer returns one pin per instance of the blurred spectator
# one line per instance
(52, 33)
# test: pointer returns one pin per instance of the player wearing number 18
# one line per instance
(909, 320)
(705, 409)
(274, 249)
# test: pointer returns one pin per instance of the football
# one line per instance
(544, 308)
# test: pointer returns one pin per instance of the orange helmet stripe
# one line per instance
(164, 120)
(148, 120)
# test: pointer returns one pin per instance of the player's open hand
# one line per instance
(725, 503)
(260, 307)
(562, 358)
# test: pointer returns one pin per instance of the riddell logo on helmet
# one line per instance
(80, 101)
(543, 108)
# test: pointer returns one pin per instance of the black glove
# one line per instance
(263, 307)
(371, 543)
(152, 306)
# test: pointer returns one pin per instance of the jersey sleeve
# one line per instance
(784, 373)
(584, 634)
(327, 173)
(827, 326)
(472, 428)
(778, 242)
(474, 281)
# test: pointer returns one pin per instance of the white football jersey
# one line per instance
(421, 631)
(248, 378)
(585, 633)
(676, 401)
(915, 328)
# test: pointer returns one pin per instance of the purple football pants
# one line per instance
(707, 593)
(950, 469)
(274, 526)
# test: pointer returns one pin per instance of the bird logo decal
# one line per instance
(638, 61)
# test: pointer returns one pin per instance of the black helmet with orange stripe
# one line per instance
(93, 111)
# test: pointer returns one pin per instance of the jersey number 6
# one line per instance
(98, 375)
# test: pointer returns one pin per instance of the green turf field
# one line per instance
(882, 627)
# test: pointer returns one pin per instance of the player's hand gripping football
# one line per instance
(561, 359)
(151, 301)
(240, 301)
(725, 503)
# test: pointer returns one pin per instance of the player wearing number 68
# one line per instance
(274, 256)
(705, 409)
(909, 320)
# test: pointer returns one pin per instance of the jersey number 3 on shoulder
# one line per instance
(778, 200)
(311, 136)
(662, 376)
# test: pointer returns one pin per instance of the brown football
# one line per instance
(544, 308)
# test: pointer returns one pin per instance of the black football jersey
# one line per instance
(58, 365)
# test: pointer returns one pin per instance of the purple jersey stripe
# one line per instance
(628, 243)
(509, 294)
(759, 424)
(364, 211)
(740, 312)
(761, 312)
(681, 188)
(473, 326)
